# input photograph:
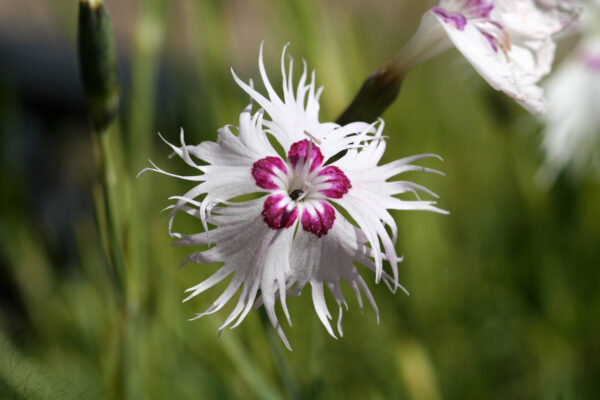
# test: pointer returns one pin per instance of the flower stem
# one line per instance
(382, 87)
(290, 384)
(98, 70)
(107, 212)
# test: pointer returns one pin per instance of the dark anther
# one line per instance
(296, 193)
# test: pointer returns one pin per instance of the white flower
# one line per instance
(572, 134)
(296, 230)
(508, 42)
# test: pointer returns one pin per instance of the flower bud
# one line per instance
(377, 93)
(98, 63)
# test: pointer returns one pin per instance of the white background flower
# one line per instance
(572, 135)
(508, 42)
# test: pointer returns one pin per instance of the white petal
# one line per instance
(527, 19)
(572, 135)
(257, 255)
(372, 195)
(325, 261)
(230, 160)
(297, 113)
(493, 66)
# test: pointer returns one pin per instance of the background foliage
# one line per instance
(504, 300)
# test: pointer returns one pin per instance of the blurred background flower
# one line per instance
(509, 43)
(504, 300)
(572, 134)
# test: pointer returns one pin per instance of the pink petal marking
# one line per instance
(263, 172)
(279, 214)
(491, 41)
(339, 183)
(479, 8)
(320, 223)
(592, 62)
(457, 18)
(299, 150)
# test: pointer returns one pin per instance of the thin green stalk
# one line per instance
(99, 78)
(107, 216)
(98, 70)
(146, 52)
(111, 236)
(315, 368)
(148, 39)
(290, 384)
(247, 369)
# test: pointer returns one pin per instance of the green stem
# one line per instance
(290, 384)
(109, 232)
(114, 252)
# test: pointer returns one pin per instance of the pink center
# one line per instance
(300, 188)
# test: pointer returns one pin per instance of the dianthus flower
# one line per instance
(305, 218)
(572, 135)
(508, 42)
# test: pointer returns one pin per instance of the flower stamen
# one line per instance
(314, 139)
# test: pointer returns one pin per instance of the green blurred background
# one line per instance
(504, 301)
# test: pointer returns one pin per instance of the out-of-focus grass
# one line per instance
(503, 290)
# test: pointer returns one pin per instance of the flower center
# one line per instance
(300, 188)
(296, 193)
